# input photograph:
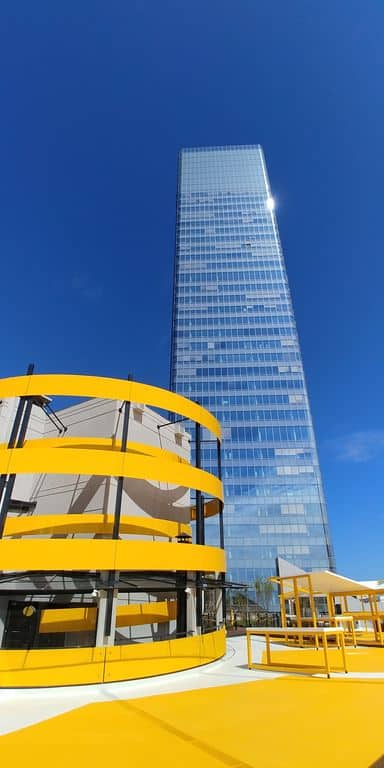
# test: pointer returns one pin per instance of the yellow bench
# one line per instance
(286, 632)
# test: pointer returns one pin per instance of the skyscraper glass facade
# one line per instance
(235, 349)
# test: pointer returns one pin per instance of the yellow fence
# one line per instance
(76, 666)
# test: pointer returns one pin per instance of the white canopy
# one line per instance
(323, 582)
(326, 582)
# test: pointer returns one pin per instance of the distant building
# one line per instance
(235, 349)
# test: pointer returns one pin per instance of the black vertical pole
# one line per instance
(202, 531)
(13, 436)
(15, 427)
(199, 508)
(16, 440)
(199, 528)
(116, 520)
(120, 480)
(219, 473)
(181, 618)
(221, 531)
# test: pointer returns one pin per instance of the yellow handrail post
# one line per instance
(313, 609)
(249, 649)
(326, 656)
(297, 607)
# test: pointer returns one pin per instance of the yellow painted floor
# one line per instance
(366, 637)
(363, 659)
(282, 723)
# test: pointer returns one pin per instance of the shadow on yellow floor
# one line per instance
(308, 659)
(281, 723)
(367, 638)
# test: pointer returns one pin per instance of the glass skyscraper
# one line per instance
(235, 349)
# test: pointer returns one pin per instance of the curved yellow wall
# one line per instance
(90, 461)
(89, 555)
(113, 389)
(78, 666)
(93, 523)
(103, 457)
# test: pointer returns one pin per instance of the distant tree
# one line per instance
(239, 600)
(264, 593)
(239, 611)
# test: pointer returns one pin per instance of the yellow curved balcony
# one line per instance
(82, 542)
(113, 389)
(89, 555)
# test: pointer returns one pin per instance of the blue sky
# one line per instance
(98, 97)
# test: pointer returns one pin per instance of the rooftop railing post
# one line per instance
(199, 530)
(181, 596)
(16, 440)
(126, 407)
(221, 530)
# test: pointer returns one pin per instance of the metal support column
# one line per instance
(181, 618)
(100, 621)
(221, 532)
(199, 530)
(191, 609)
(16, 440)
(111, 596)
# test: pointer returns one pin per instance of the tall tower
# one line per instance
(235, 349)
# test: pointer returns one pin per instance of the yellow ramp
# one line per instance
(358, 659)
(283, 723)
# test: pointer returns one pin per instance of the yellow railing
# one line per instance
(76, 666)
(89, 456)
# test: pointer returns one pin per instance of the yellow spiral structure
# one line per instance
(47, 543)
